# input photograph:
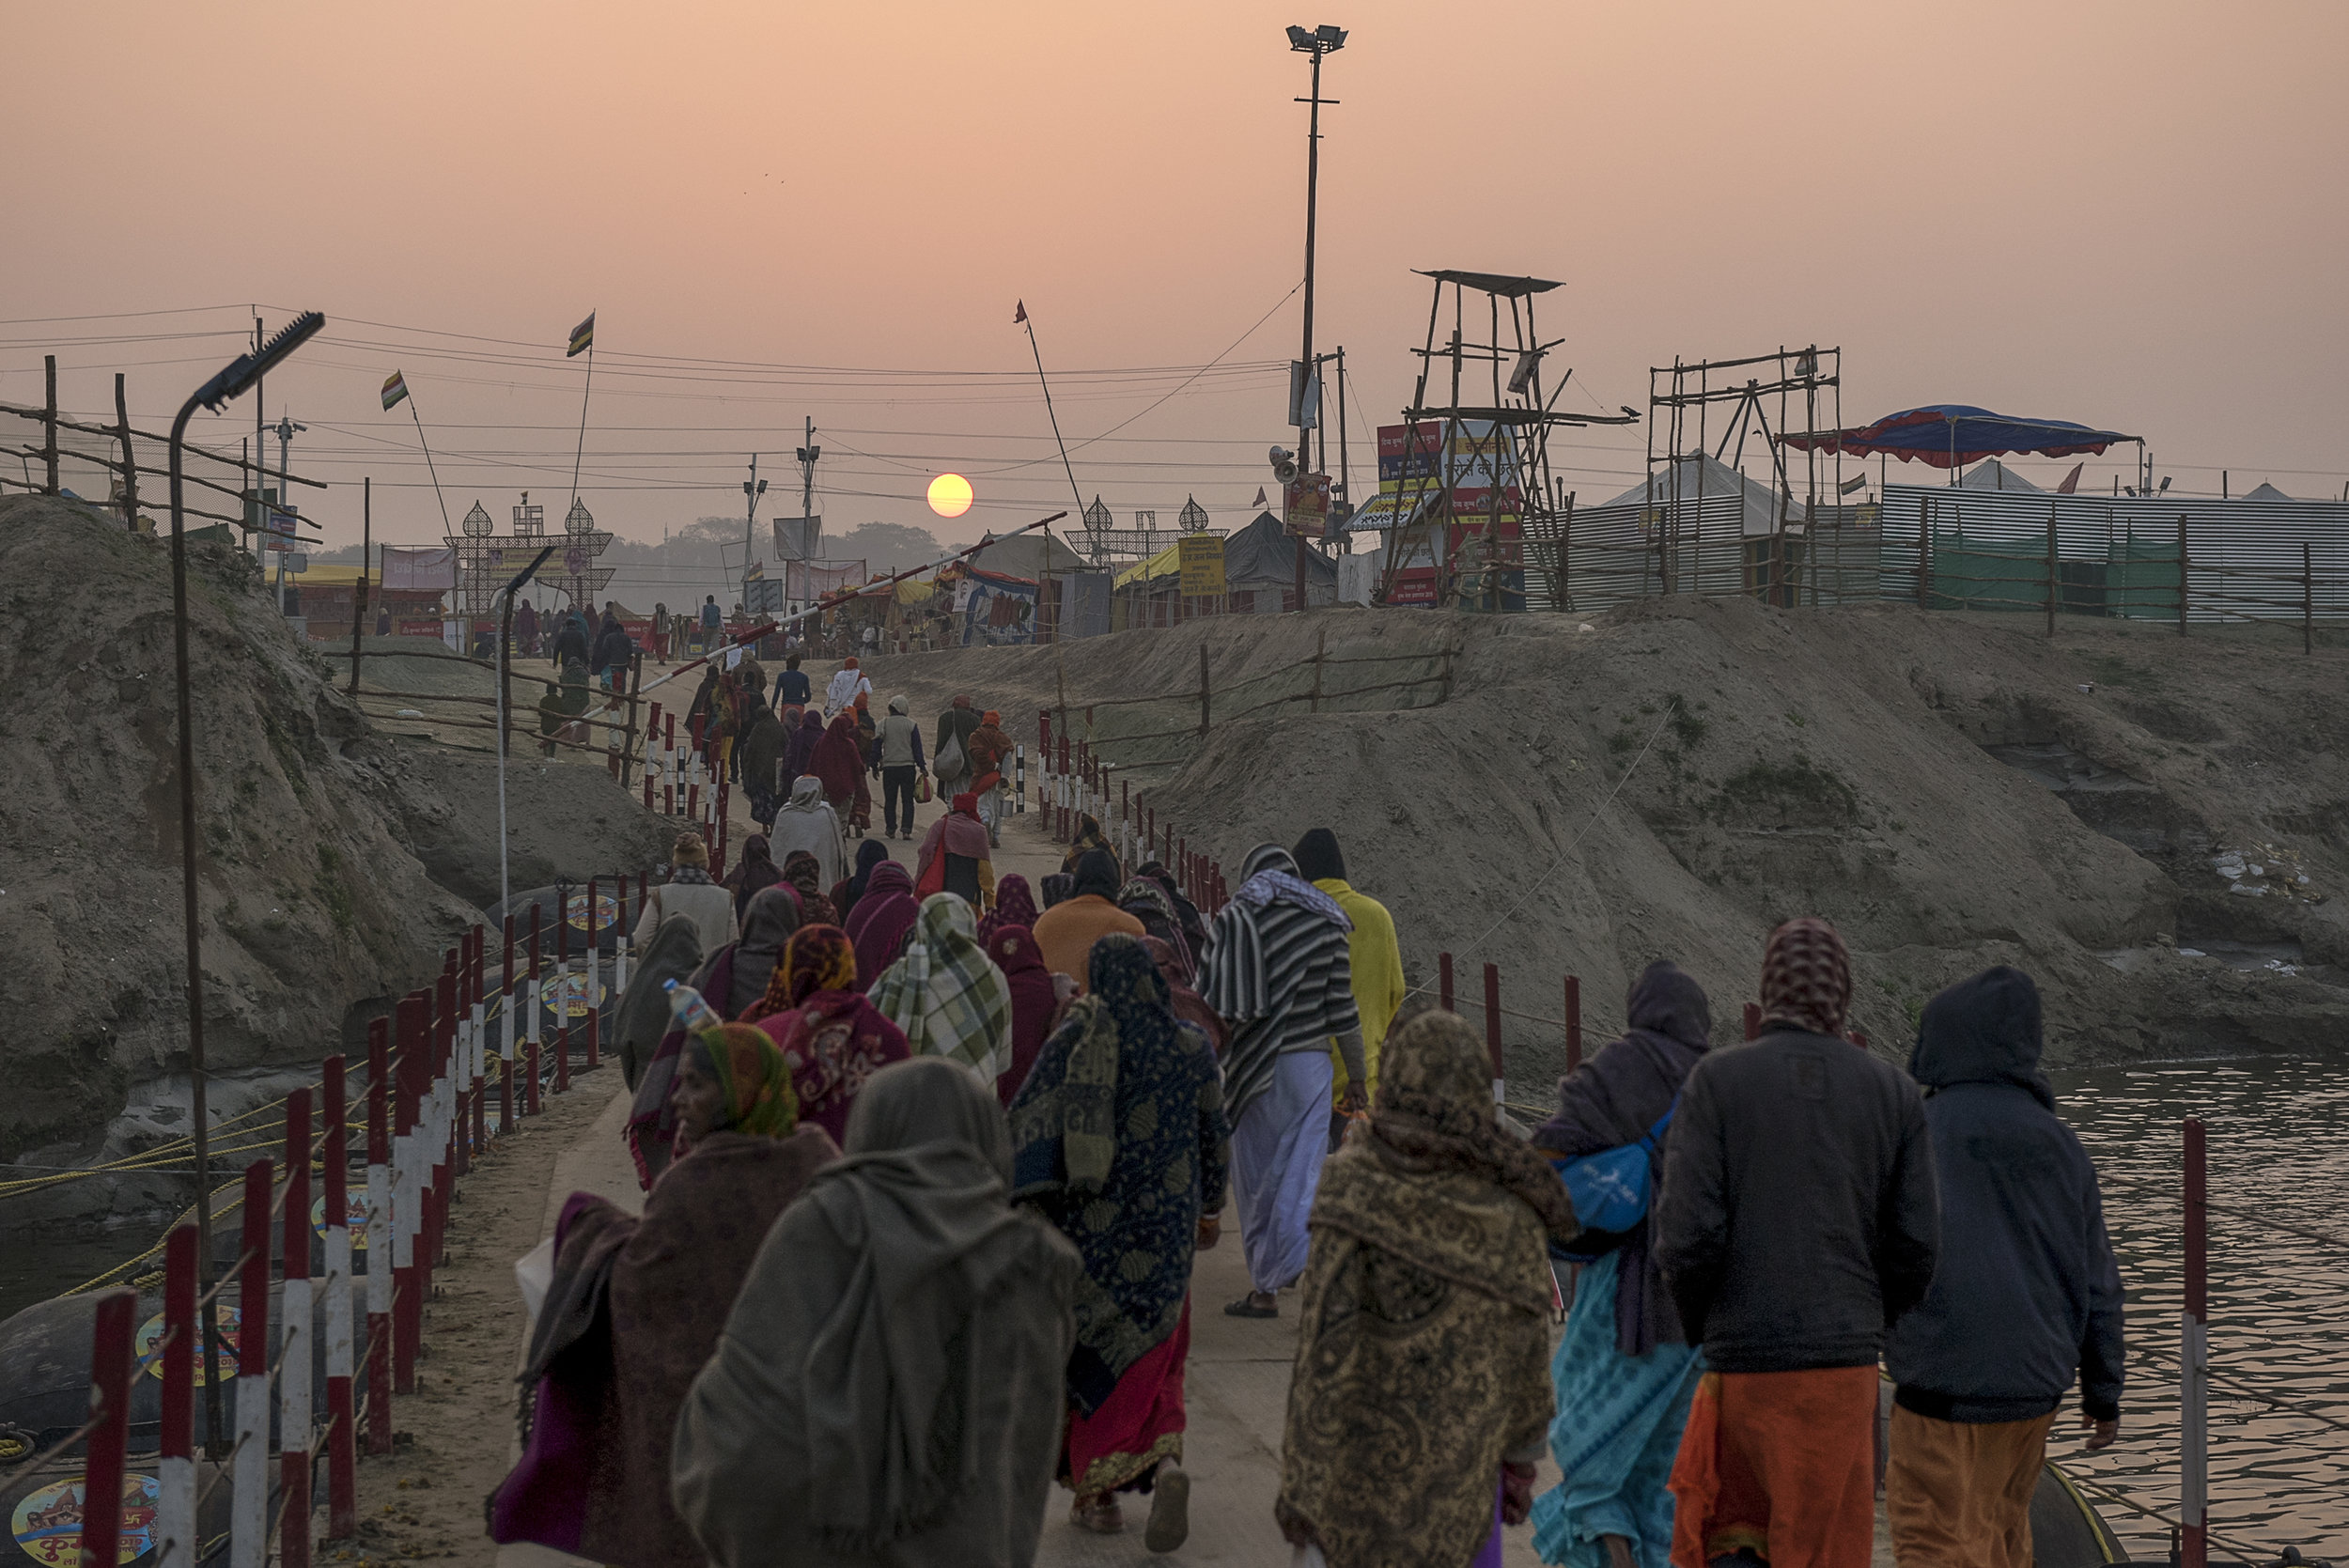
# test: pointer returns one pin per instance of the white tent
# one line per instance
(1708, 476)
(1992, 474)
(2268, 492)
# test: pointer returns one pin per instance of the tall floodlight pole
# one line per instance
(753, 489)
(1322, 40)
(238, 378)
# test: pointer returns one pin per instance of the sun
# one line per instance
(950, 495)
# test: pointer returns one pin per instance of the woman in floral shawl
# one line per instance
(636, 1306)
(1089, 836)
(830, 1037)
(946, 993)
(1147, 902)
(806, 873)
(1118, 1139)
(1421, 1383)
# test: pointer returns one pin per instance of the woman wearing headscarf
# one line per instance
(1120, 1141)
(808, 822)
(559, 710)
(1188, 1005)
(953, 856)
(838, 763)
(1015, 904)
(806, 729)
(1419, 1386)
(1055, 888)
(946, 993)
(753, 874)
(1194, 928)
(636, 1306)
(888, 1390)
(883, 918)
(1147, 902)
(847, 684)
(1373, 957)
(846, 891)
(641, 1020)
(832, 1039)
(731, 980)
(1034, 1001)
(803, 872)
(1623, 1372)
(1067, 930)
(1089, 837)
(1276, 970)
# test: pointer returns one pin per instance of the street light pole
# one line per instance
(214, 394)
(753, 489)
(1322, 40)
(506, 666)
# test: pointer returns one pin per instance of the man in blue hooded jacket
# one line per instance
(2026, 1297)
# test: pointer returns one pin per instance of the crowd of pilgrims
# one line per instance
(921, 1221)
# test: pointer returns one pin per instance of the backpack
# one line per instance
(1610, 1191)
(949, 763)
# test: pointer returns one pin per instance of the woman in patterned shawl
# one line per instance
(946, 993)
(829, 1036)
(1147, 902)
(1421, 1380)
(636, 1306)
(1118, 1139)
(806, 873)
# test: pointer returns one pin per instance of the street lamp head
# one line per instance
(1324, 40)
(248, 369)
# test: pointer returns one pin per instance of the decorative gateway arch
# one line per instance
(486, 561)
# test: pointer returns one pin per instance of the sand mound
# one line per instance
(1954, 791)
(316, 905)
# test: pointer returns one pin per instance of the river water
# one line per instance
(2280, 1302)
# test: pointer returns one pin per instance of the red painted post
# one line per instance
(1182, 870)
(1574, 1021)
(1492, 1026)
(342, 1449)
(537, 1016)
(379, 1245)
(1443, 980)
(2194, 1388)
(444, 1152)
(110, 1361)
(562, 998)
(1149, 832)
(1753, 1021)
(293, 1464)
(477, 1016)
(175, 1448)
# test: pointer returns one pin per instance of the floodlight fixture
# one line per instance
(1324, 40)
(239, 377)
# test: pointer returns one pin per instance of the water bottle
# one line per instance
(691, 1013)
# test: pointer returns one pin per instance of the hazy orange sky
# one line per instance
(2130, 215)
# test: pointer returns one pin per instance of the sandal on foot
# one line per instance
(1170, 1511)
(1102, 1516)
(1246, 1307)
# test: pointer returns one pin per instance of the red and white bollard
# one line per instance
(342, 1447)
(175, 1448)
(103, 1461)
(293, 1365)
(248, 1501)
(380, 1244)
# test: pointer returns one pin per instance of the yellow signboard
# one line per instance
(1201, 559)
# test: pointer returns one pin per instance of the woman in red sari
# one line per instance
(831, 1038)
(1123, 1098)
(1035, 1002)
(838, 762)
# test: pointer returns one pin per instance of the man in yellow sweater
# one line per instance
(1371, 950)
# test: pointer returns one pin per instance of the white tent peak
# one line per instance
(1992, 474)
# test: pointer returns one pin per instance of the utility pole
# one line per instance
(1322, 40)
(753, 489)
(807, 455)
(285, 430)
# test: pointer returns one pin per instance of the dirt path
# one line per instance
(453, 1440)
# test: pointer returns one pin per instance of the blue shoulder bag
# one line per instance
(1609, 1189)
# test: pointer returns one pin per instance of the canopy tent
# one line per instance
(1166, 562)
(1264, 554)
(2268, 492)
(1950, 435)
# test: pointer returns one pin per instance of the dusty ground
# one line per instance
(2124, 813)
(453, 1440)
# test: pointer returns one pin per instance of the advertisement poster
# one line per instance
(999, 611)
(1201, 558)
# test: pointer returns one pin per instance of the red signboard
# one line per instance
(419, 628)
(1413, 585)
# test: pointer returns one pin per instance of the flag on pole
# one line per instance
(582, 337)
(395, 392)
(2071, 481)
(1850, 485)
(1260, 499)
(1020, 314)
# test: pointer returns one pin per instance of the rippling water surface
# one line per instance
(2278, 1301)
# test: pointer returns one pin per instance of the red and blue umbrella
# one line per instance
(1951, 435)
